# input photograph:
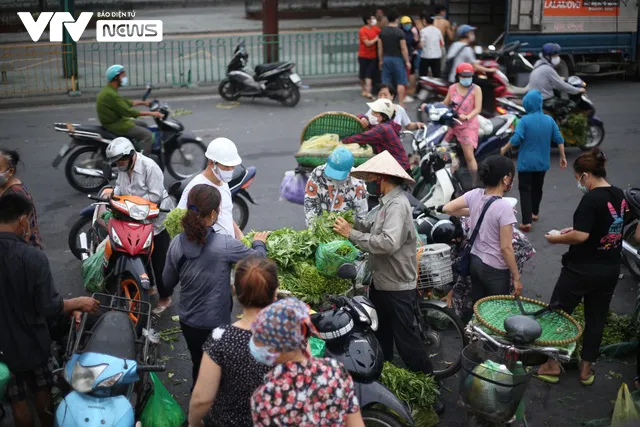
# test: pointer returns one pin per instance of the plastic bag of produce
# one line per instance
(321, 144)
(626, 412)
(161, 410)
(487, 396)
(293, 187)
(330, 256)
(318, 347)
(4, 379)
(93, 269)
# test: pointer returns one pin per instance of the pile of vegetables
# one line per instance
(576, 129)
(418, 390)
(617, 329)
(173, 222)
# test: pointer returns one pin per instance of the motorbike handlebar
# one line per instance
(165, 210)
(151, 368)
(98, 199)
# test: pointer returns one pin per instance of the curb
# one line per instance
(88, 97)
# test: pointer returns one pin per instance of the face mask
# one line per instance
(373, 120)
(374, 22)
(581, 187)
(225, 176)
(4, 178)
(262, 354)
(124, 81)
(407, 27)
(555, 60)
(126, 167)
(466, 81)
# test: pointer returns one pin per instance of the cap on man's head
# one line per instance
(405, 20)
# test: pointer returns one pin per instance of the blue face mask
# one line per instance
(582, 188)
(466, 81)
(124, 81)
(262, 354)
(407, 27)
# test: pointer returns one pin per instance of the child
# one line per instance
(401, 117)
(534, 135)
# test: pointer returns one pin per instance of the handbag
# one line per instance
(463, 263)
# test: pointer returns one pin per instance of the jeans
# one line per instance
(487, 281)
(195, 338)
(141, 134)
(595, 285)
(394, 71)
(158, 260)
(396, 325)
(530, 185)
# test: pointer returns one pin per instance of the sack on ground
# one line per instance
(293, 187)
(93, 269)
(330, 256)
(626, 412)
(4, 379)
(161, 410)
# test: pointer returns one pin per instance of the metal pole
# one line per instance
(69, 49)
(270, 29)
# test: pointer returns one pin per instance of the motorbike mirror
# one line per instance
(174, 190)
(347, 271)
(106, 172)
(492, 47)
(148, 92)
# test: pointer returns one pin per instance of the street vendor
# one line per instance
(390, 238)
(331, 188)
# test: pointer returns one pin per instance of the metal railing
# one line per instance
(35, 68)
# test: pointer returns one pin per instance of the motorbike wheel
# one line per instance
(294, 95)
(596, 136)
(190, 160)
(375, 418)
(629, 236)
(83, 224)
(227, 90)
(432, 331)
(240, 212)
(129, 289)
(85, 184)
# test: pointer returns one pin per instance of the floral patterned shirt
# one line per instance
(313, 393)
(322, 194)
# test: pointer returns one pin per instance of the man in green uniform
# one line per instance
(116, 113)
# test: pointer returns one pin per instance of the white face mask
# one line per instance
(374, 22)
(225, 176)
(555, 60)
(124, 81)
(373, 120)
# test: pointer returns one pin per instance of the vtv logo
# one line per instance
(56, 20)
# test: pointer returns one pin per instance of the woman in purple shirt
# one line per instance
(493, 262)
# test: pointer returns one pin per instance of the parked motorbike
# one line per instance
(180, 152)
(106, 365)
(274, 81)
(580, 104)
(348, 332)
(630, 245)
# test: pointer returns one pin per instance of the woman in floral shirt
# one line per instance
(331, 188)
(300, 391)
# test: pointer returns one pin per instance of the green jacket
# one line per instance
(115, 112)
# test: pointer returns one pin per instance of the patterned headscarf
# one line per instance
(284, 326)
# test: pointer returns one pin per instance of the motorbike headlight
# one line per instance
(147, 243)
(137, 212)
(115, 237)
(84, 377)
(110, 382)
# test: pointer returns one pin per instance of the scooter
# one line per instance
(348, 331)
(180, 152)
(274, 81)
(630, 246)
(106, 366)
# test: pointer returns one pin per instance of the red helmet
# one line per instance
(465, 70)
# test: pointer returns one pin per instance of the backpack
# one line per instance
(450, 61)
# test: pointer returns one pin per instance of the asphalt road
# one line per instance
(267, 136)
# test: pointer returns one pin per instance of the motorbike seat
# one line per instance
(436, 81)
(238, 175)
(263, 68)
(497, 122)
(97, 129)
(114, 335)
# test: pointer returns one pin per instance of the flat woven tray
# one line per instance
(558, 328)
(343, 124)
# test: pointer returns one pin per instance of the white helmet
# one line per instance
(224, 152)
(118, 148)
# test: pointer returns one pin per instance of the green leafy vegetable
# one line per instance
(617, 329)
(418, 390)
(306, 283)
(322, 226)
(173, 222)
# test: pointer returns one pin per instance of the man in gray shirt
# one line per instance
(390, 237)
(461, 51)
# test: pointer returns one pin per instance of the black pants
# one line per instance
(158, 259)
(396, 324)
(595, 284)
(487, 281)
(530, 185)
(488, 96)
(195, 339)
(433, 64)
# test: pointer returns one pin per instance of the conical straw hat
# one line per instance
(382, 164)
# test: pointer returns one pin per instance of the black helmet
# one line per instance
(443, 231)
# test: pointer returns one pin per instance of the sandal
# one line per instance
(589, 381)
(535, 217)
(547, 378)
(525, 227)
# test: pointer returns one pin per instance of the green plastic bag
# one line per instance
(4, 379)
(161, 410)
(318, 347)
(626, 412)
(330, 256)
(93, 270)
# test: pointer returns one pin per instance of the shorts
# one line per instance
(35, 380)
(413, 69)
(368, 67)
(394, 71)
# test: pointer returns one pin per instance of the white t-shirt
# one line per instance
(224, 224)
(402, 118)
(432, 42)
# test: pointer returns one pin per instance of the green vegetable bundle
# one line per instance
(306, 283)
(330, 256)
(173, 222)
(322, 226)
(416, 389)
(576, 129)
(617, 329)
